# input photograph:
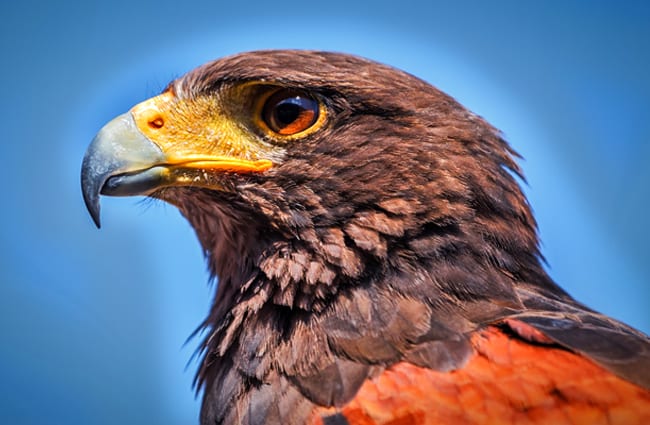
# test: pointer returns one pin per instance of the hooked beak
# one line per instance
(150, 147)
(120, 161)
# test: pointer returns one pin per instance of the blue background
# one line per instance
(93, 323)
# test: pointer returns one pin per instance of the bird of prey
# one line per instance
(377, 261)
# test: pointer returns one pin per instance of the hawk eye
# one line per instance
(288, 112)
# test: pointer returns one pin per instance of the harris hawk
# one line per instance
(377, 261)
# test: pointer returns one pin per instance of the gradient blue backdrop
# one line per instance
(92, 323)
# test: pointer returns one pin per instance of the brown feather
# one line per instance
(397, 233)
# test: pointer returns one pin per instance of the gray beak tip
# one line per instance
(118, 148)
(93, 209)
(90, 189)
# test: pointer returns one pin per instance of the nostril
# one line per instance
(156, 123)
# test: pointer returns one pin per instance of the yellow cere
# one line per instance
(205, 132)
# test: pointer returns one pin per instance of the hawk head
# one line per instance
(313, 167)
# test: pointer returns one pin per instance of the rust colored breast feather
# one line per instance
(508, 381)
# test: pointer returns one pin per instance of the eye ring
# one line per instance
(290, 112)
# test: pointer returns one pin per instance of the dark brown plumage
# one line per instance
(394, 234)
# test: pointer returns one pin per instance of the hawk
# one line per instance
(377, 261)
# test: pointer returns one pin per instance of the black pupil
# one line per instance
(289, 109)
